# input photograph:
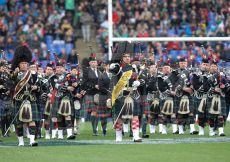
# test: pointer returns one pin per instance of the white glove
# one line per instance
(134, 66)
(136, 83)
(112, 66)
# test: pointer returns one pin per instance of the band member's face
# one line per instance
(33, 68)
(73, 72)
(93, 64)
(59, 70)
(49, 70)
(107, 67)
(213, 68)
(205, 66)
(183, 65)
(40, 70)
(1, 68)
(23, 66)
(153, 69)
(166, 69)
(126, 59)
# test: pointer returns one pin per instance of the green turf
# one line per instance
(119, 153)
(58, 151)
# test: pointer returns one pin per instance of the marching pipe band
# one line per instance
(136, 92)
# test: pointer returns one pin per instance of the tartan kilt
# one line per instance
(191, 103)
(223, 105)
(145, 106)
(154, 111)
(89, 105)
(102, 109)
(120, 102)
(162, 101)
(77, 113)
(5, 108)
(35, 112)
(56, 105)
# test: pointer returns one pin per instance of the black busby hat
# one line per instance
(59, 64)
(33, 62)
(167, 62)
(73, 67)
(122, 48)
(21, 54)
(214, 61)
(50, 64)
(205, 60)
(92, 58)
(182, 59)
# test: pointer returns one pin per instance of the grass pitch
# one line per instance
(89, 148)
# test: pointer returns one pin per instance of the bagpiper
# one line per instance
(46, 93)
(153, 97)
(216, 105)
(166, 85)
(5, 97)
(124, 101)
(184, 104)
(62, 106)
(201, 87)
(25, 94)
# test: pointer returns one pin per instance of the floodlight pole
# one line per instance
(110, 28)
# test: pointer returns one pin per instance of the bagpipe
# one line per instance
(183, 81)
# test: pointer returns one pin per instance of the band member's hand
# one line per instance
(16, 71)
(34, 87)
(222, 86)
(173, 93)
(82, 92)
(75, 84)
(217, 89)
(49, 95)
(187, 89)
(97, 86)
(70, 88)
(78, 95)
(1, 86)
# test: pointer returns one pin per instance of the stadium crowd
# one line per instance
(48, 25)
(154, 18)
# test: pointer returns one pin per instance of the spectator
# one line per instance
(86, 21)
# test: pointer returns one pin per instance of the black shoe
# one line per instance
(194, 132)
(34, 144)
(145, 136)
(138, 140)
(104, 132)
(71, 137)
(222, 135)
(177, 132)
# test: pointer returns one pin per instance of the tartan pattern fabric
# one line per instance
(191, 103)
(35, 112)
(88, 104)
(5, 108)
(145, 106)
(120, 102)
(102, 109)
(223, 105)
